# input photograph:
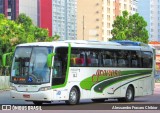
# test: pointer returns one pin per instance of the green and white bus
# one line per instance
(72, 70)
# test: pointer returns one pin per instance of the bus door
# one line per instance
(59, 66)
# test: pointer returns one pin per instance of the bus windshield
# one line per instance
(30, 65)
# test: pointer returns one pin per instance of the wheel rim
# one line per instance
(73, 96)
(129, 94)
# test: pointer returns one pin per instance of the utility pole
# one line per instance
(83, 27)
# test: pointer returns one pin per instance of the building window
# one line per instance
(108, 32)
(108, 25)
(108, 2)
(125, 6)
(108, 17)
(9, 13)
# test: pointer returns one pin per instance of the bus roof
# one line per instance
(92, 44)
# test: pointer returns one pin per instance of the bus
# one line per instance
(73, 70)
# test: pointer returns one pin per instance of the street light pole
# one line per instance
(83, 27)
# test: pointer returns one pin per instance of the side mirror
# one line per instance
(49, 59)
(4, 59)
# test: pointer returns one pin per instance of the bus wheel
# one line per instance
(73, 97)
(129, 94)
(37, 102)
(98, 100)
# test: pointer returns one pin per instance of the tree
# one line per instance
(53, 38)
(20, 31)
(32, 32)
(131, 27)
(15, 32)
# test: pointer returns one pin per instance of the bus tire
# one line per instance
(98, 100)
(73, 97)
(129, 94)
(37, 102)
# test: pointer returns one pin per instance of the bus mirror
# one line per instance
(49, 59)
(4, 59)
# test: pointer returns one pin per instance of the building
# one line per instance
(145, 12)
(64, 18)
(95, 19)
(1, 6)
(151, 14)
(58, 16)
(10, 8)
(30, 8)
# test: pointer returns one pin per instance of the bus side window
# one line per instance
(81, 60)
(94, 62)
(107, 62)
(93, 56)
(147, 59)
(134, 63)
(121, 63)
(73, 61)
(135, 59)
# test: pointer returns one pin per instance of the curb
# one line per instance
(2, 90)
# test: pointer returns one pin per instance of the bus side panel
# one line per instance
(148, 84)
(113, 91)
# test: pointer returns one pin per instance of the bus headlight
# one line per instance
(44, 88)
(13, 88)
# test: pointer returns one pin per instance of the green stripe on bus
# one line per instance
(87, 83)
(100, 87)
(67, 73)
(130, 82)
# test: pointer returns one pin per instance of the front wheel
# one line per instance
(73, 97)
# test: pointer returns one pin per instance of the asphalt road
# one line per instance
(152, 101)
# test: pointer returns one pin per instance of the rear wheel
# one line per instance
(73, 97)
(129, 94)
(129, 97)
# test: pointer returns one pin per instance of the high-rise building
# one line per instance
(58, 16)
(151, 14)
(95, 19)
(1, 6)
(10, 8)
(64, 18)
(154, 20)
(30, 8)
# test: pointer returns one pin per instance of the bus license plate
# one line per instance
(26, 96)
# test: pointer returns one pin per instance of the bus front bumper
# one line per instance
(33, 96)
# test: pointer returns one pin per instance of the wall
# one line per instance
(30, 8)
(45, 13)
(4, 82)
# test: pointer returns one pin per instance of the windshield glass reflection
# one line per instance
(30, 65)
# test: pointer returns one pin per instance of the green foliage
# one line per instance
(32, 32)
(132, 27)
(53, 38)
(20, 31)
(1, 16)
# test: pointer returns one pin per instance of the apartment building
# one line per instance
(95, 19)
(10, 8)
(58, 16)
(64, 18)
(30, 8)
(151, 14)
(1, 6)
